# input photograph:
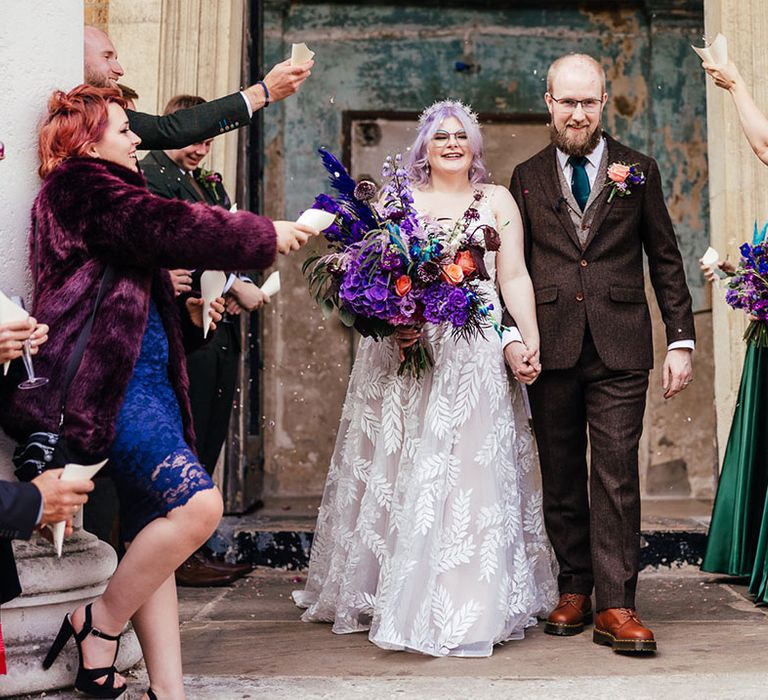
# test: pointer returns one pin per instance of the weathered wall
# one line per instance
(379, 57)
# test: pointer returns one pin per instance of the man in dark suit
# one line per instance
(177, 174)
(204, 121)
(587, 222)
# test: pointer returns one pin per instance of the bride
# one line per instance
(430, 534)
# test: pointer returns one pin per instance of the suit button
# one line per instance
(579, 296)
(583, 263)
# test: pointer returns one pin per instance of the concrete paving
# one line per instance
(247, 642)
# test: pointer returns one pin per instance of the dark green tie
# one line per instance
(579, 180)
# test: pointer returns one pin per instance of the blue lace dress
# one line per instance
(150, 462)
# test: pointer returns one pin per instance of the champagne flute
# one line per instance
(32, 381)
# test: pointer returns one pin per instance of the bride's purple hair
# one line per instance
(417, 163)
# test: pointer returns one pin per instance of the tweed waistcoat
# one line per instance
(582, 221)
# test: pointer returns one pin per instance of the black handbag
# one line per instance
(47, 450)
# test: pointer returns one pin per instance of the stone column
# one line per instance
(738, 182)
(41, 48)
(169, 47)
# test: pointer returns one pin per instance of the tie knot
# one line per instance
(577, 161)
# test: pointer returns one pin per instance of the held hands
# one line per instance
(61, 499)
(677, 372)
(291, 236)
(523, 360)
(195, 311)
(181, 281)
(13, 336)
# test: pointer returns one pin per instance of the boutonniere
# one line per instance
(209, 179)
(621, 176)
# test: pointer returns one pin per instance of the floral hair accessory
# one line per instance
(456, 104)
(621, 176)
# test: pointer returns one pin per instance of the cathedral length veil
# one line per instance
(431, 534)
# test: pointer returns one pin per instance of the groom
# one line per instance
(584, 248)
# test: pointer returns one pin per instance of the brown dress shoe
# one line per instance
(621, 629)
(196, 573)
(573, 611)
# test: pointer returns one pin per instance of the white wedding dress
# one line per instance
(431, 533)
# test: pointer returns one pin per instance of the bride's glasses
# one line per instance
(442, 138)
(32, 381)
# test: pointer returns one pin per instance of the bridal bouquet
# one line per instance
(390, 268)
(748, 288)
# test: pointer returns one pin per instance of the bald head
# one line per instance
(575, 65)
(101, 67)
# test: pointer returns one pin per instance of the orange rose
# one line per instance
(618, 172)
(402, 285)
(453, 273)
(466, 262)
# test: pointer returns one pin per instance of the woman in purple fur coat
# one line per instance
(128, 400)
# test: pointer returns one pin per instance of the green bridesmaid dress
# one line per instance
(738, 535)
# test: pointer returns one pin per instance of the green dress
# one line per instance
(738, 535)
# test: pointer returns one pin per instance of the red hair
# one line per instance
(76, 119)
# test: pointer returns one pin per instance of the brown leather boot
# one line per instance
(622, 630)
(573, 611)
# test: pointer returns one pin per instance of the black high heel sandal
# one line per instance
(151, 694)
(86, 678)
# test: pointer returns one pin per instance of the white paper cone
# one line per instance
(212, 283)
(73, 472)
(316, 219)
(716, 53)
(272, 284)
(710, 257)
(300, 53)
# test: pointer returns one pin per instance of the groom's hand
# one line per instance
(524, 364)
(677, 372)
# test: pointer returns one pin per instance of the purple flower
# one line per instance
(391, 259)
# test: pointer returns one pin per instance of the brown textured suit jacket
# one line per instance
(601, 284)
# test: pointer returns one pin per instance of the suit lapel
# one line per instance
(550, 184)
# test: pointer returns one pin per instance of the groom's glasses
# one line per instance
(590, 105)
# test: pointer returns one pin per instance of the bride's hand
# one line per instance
(523, 361)
(405, 337)
(725, 77)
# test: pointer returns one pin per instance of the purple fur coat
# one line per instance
(90, 213)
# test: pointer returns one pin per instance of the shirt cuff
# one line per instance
(40, 511)
(247, 104)
(230, 281)
(682, 345)
(510, 335)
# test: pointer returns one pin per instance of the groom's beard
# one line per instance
(571, 147)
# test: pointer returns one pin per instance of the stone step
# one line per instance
(280, 534)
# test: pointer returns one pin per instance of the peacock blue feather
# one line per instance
(343, 183)
(759, 236)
